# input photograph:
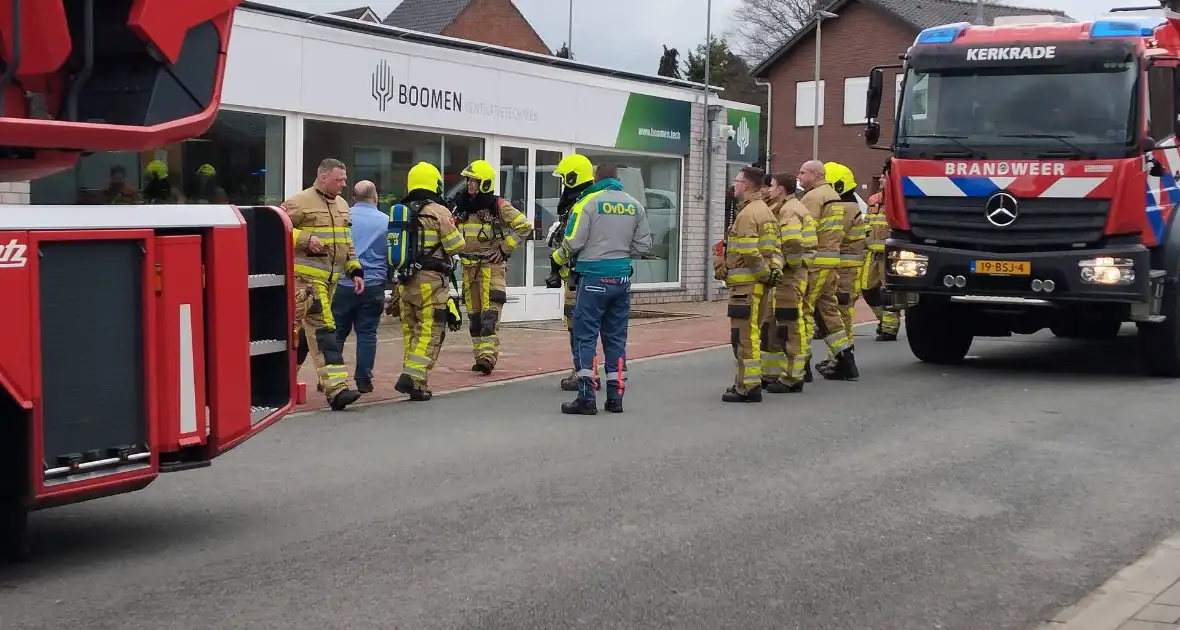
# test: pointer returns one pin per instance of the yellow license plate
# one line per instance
(1001, 267)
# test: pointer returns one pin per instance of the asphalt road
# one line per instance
(984, 496)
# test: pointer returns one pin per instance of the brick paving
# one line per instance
(531, 348)
(1143, 596)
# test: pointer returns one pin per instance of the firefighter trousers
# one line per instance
(874, 294)
(848, 286)
(747, 304)
(424, 324)
(316, 331)
(484, 295)
(785, 339)
(823, 313)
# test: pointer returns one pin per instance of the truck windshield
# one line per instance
(1058, 110)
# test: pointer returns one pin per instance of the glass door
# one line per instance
(527, 181)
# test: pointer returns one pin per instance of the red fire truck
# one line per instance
(1033, 182)
(134, 339)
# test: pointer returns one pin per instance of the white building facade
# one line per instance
(302, 87)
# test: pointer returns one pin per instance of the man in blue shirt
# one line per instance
(362, 311)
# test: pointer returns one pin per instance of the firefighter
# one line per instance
(323, 251)
(576, 174)
(874, 268)
(492, 229)
(824, 205)
(789, 341)
(750, 262)
(605, 229)
(426, 307)
(852, 251)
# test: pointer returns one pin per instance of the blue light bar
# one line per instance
(944, 34)
(1125, 27)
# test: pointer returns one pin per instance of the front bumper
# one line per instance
(1061, 267)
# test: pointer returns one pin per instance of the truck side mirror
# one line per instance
(872, 132)
(876, 88)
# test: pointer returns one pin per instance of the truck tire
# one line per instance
(1159, 344)
(936, 334)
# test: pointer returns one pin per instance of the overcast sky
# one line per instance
(629, 34)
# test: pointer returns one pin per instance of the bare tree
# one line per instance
(762, 26)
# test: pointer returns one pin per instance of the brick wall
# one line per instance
(496, 22)
(862, 37)
(14, 192)
(695, 261)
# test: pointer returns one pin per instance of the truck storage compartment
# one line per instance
(270, 323)
(93, 404)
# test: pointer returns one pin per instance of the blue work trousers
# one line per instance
(602, 307)
(361, 312)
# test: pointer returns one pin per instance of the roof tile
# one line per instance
(426, 16)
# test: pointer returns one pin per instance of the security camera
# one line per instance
(726, 131)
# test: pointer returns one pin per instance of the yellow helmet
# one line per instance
(483, 172)
(424, 176)
(574, 170)
(207, 170)
(156, 169)
(840, 177)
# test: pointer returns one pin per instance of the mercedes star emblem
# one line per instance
(1001, 209)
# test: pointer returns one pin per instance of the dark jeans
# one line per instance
(601, 308)
(362, 312)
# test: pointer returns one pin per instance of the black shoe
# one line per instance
(614, 405)
(421, 395)
(364, 385)
(580, 407)
(731, 395)
(844, 369)
(344, 398)
(808, 377)
(475, 367)
(779, 387)
(405, 384)
(884, 336)
(483, 365)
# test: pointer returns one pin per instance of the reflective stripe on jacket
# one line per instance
(314, 213)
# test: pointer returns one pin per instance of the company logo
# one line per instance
(383, 85)
(1014, 53)
(743, 136)
(1003, 169)
(13, 254)
(1001, 209)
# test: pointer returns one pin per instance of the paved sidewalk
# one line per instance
(531, 348)
(1143, 596)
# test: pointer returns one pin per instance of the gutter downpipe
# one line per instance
(769, 112)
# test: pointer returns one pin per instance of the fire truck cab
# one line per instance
(1033, 182)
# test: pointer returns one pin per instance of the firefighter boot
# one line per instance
(614, 397)
(482, 365)
(406, 385)
(779, 387)
(884, 336)
(584, 404)
(343, 399)
(732, 395)
(844, 368)
(807, 375)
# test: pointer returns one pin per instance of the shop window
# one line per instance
(385, 156)
(655, 181)
(239, 160)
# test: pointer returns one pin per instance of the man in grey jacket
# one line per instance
(605, 229)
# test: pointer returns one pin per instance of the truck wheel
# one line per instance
(936, 333)
(1160, 343)
(14, 532)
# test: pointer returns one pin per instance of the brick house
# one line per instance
(496, 22)
(866, 33)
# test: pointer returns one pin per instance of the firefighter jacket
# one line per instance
(439, 240)
(753, 244)
(852, 248)
(876, 224)
(314, 213)
(494, 225)
(797, 229)
(824, 205)
(605, 228)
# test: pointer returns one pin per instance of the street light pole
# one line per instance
(820, 16)
(979, 12)
(569, 40)
(707, 155)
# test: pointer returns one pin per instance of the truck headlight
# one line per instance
(908, 264)
(1107, 270)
